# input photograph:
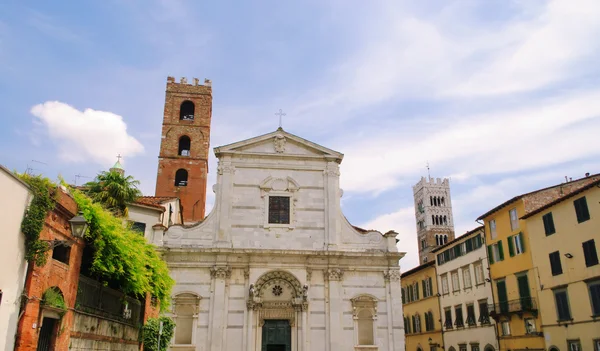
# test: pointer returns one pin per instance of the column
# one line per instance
(247, 312)
(220, 275)
(394, 307)
(335, 276)
(332, 204)
(225, 172)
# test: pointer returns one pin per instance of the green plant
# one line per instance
(54, 298)
(113, 190)
(33, 222)
(150, 333)
(121, 256)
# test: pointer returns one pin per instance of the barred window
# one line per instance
(279, 209)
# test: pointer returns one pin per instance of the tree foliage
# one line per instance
(121, 256)
(150, 333)
(114, 191)
(33, 222)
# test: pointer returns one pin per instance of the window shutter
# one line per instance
(511, 248)
(403, 296)
(522, 239)
(417, 291)
(595, 293)
(424, 288)
(500, 251)
(413, 324)
(430, 287)
(490, 254)
(555, 263)
(590, 254)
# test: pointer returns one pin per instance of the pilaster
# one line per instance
(335, 276)
(220, 276)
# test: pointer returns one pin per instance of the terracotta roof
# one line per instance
(561, 199)
(418, 268)
(574, 184)
(153, 201)
(464, 236)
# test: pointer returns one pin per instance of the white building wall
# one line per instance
(13, 203)
(483, 335)
(143, 214)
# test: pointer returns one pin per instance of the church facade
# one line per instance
(276, 266)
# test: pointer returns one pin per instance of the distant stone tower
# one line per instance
(183, 157)
(433, 211)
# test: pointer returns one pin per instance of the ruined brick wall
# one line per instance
(54, 274)
(192, 196)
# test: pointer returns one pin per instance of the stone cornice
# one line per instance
(280, 252)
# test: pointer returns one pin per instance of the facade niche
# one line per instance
(185, 145)
(181, 177)
(365, 314)
(185, 314)
(186, 111)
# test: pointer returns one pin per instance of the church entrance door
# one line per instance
(276, 335)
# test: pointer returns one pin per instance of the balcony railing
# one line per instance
(524, 304)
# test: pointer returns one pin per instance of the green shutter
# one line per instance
(511, 248)
(522, 238)
(430, 288)
(403, 297)
(417, 286)
(500, 251)
(490, 254)
(424, 289)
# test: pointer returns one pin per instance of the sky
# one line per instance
(500, 96)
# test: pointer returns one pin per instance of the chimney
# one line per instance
(587, 174)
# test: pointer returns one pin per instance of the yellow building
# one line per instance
(513, 273)
(565, 235)
(422, 326)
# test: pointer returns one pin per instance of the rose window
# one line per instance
(277, 290)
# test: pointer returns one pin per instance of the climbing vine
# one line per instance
(33, 222)
(121, 256)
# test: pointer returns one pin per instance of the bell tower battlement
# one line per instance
(433, 213)
(185, 138)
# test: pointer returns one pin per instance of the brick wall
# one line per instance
(192, 196)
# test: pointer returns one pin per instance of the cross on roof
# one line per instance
(280, 114)
(119, 157)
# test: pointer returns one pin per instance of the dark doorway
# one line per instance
(45, 342)
(276, 335)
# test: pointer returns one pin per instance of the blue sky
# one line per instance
(501, 96)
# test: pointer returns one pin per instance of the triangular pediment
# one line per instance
(279, 143)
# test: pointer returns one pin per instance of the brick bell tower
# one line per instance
(185, 139)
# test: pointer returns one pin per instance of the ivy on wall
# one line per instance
(33, 222)
(121, 256)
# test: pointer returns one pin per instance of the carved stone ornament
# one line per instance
(332, 170)
(334, 274)
(393, 275)
(278, 276)
(279, 143)
(220, 272)
(225, 167)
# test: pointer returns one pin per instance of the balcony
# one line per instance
(518, 306)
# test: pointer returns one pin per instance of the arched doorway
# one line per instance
(279, 303)
(53, 307)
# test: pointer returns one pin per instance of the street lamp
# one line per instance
(78, 225)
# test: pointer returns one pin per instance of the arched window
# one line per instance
(445, 220)
(431, 200)
(443, 201)
(432, 219)
(184, 146)
(417, 323)
(181, 177)
(445, 239)
(407, 325)
(429, 322)
(365, 313)
(437, 241)
(489, 347)
(451, 348)
(186, 111)
(185, 314)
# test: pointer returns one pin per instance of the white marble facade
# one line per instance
(316, 283)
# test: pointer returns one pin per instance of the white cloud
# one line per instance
(91, 134)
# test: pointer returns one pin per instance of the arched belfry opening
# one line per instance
(181, 177)
(186, 111)
(185, 145)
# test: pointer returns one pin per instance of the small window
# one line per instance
(574, 345)
(505, 326)
(474, 347)
(61, 253)
(279, 209)
(589, 251)
(429, 322)
(581, 210)
(448, 318)
(445, 289)
(529, 326)
(181, 177)
(555, 264)
(562, 305)
(493, 232)
(594, 288)
(459, 322)
(484, 316)
(455, 281)
(466, 277)
(462, 347)
(138, 227)
(516, 245)
(471, 321)
(184, 146)
(496, 252)
(407, 325)
(426, 287)
(417, 323)
(514, 219)
(186, 112)
(548, 224)
(478, 273)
